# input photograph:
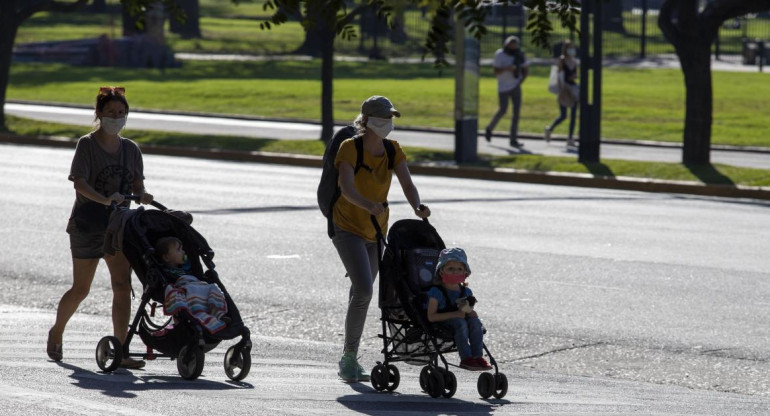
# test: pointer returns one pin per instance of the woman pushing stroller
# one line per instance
(364, 192)
(105, 167)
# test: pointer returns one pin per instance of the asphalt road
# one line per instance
(596, 301)
(439, 140)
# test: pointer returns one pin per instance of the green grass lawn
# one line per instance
(637, 104)
(716, 174)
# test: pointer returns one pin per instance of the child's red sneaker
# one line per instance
(469, 363)
(482, 364)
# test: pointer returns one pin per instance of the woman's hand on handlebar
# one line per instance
(145, 198)
(117, 198)
(422, 211)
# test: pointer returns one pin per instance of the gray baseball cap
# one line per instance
(378, 106)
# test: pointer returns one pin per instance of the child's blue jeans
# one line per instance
(469, 336)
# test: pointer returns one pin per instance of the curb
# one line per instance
(447, 170)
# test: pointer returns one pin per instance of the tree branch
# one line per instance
(352, 15)
(666, 22)
(717, 12)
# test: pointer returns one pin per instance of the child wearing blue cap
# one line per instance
(451, 303)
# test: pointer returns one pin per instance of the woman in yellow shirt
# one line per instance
(363, 194)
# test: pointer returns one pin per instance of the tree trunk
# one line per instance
(327, 87)
(191, 27)
(695, 59)
(692, 39)
(692, 33)
(8, 28)
(312, 44)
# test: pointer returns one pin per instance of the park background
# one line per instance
(236, 68)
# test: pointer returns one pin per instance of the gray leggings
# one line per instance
(360, 260)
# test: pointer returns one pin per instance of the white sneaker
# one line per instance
(547, 135)
(571, 143)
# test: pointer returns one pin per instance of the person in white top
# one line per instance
(511, 69)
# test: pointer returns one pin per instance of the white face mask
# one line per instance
(380, 126)
(113, 125)
(571, 51)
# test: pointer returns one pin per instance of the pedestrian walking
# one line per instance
(567, 91)
(104, 168)
(511, 69)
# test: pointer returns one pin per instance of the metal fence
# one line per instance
(630, 31)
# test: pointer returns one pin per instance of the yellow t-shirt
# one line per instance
(373, 186)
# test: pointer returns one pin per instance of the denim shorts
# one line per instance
(87, 246)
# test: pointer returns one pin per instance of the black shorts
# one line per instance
(87, 246)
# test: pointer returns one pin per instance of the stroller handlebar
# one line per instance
(135, 198)
(377, 228)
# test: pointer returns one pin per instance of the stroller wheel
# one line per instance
(394, 377)
(450, 384)
(109, 354)
(501, 386)
(379, 377)
(435, 383)
(486, 385)
(237, 363)
(190, 362)
(424, 375)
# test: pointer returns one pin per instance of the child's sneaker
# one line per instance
(469, 363)
(350, 369)
(482, 364)
(547, 134)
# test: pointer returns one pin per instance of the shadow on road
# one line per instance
(123, 383)
(425, 405)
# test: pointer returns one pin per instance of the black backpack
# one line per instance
(328, 189)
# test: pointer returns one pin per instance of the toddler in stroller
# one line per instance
(184, 337)
(407, 284)
(203, 300)
(451, 303)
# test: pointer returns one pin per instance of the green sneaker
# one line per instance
(350, 369)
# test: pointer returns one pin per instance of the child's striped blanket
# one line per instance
(204, 301)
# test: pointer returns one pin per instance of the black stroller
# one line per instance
(185, 340)
(406, 274)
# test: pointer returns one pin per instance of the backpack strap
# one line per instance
(359, 142)
(390, 153)
(449, 307)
